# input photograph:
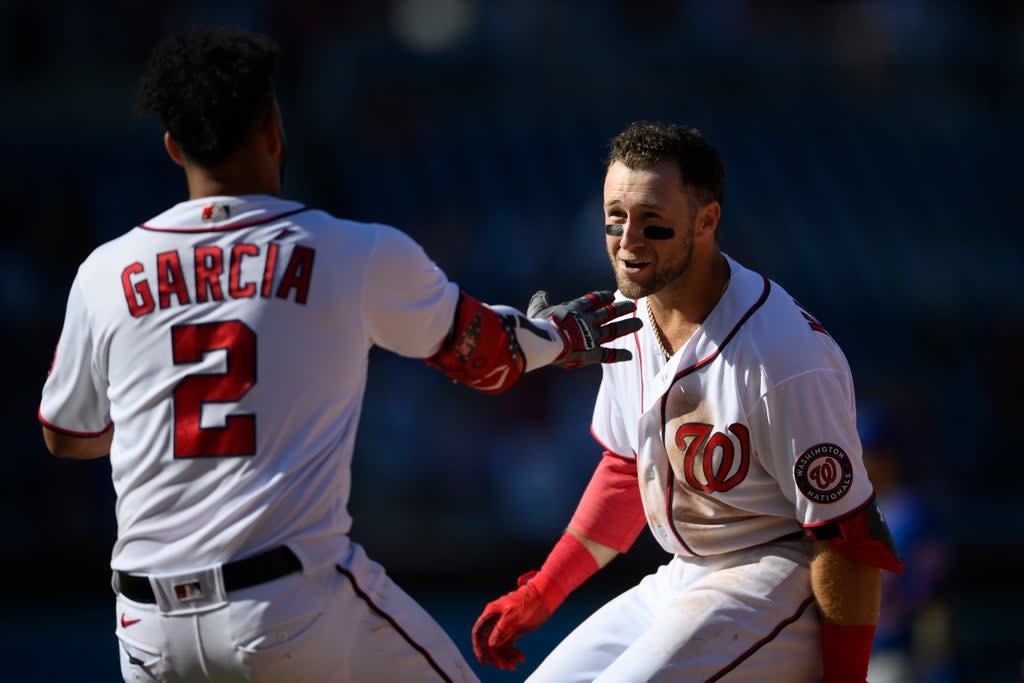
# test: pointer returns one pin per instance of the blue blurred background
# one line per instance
(872, 149)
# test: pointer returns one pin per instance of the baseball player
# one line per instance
(732, 436)
(218, 352)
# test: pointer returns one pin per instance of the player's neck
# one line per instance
(201, 190)
(679, 308)
(240, 176)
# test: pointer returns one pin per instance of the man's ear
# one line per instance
(173, 150)
(708, 217)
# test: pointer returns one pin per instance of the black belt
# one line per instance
(238, 574)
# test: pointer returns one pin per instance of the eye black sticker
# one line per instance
(659, 232)
(651, 232)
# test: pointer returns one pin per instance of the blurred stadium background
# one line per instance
(873, 157)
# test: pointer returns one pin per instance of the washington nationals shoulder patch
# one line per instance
(823, 473)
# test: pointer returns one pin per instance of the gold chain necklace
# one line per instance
(659, 335)
(657, 331)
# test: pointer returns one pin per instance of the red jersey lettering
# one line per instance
(209, 268)
(235, 287)
(170, 279)
(268, 270)
(297, 274)
(207, 277)
(137, 294)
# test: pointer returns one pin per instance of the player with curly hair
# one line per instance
(219, 352)
(732, 436)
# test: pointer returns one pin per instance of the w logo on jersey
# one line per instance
(713, 461)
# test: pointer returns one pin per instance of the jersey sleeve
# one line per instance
(805, 435)
(74, 399)
(408, 302)
(608, 424)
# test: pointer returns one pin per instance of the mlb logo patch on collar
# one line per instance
(216, 212)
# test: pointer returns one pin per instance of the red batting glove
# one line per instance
(540, 593)
(504, 621)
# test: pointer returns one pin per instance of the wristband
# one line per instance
(540, 339)
(567, 566)
(845, 652)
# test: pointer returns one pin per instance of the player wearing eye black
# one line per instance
(732, 436)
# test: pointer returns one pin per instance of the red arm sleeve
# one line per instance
(610, 511)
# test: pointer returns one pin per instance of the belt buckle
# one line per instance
(188, 590)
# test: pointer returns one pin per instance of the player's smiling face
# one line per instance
(648, 227)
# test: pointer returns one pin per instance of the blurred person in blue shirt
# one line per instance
(912, 639)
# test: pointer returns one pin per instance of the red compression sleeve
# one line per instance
(568, 565)
(845, 652)
(610, 512)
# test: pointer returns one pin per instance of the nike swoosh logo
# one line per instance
(125, 622)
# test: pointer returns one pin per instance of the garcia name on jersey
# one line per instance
(216, 274)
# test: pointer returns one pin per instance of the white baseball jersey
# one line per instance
(747, 433)
(227, 339)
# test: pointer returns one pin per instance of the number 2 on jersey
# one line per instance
(238, 435)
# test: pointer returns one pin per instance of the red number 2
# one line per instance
(238, 435)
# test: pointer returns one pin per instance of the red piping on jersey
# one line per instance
(231, 226)
(840, 518)
(640, 360)
(394, 623)
(690, 370)
(764, 641)
(52, 427)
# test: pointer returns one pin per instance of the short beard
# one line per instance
(662, 276)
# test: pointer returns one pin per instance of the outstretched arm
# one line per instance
(489, 347)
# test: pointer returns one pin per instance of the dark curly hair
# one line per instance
(209, 86)
(644, 144)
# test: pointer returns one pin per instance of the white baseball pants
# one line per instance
(344, 623)
(745, 617)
